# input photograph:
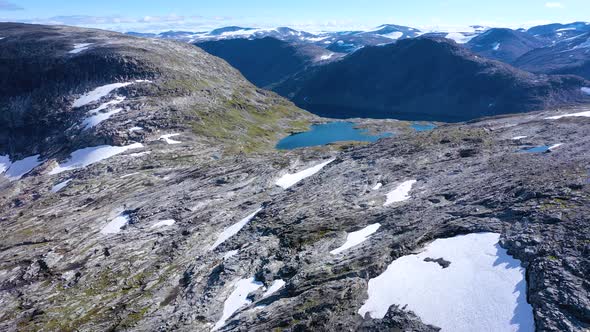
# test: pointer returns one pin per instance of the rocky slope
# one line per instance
(148, 240)
(425, 79)
(504, 44)
(571, 56)
(175, 86)
(267, 61)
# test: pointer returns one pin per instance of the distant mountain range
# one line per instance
(427, 79)
(361, 74)
(347, 41)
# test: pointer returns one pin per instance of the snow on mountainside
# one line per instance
(569, 56)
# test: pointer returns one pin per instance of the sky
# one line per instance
(309, 15)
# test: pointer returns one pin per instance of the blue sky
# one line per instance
(311, 15)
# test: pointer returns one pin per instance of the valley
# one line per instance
(148, 185)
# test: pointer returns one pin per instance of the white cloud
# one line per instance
(554, 5)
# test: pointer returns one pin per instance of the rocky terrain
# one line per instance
(437, 75)
(148, 239)
(267, 61)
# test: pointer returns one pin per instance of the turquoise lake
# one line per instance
(423, 126)
(327, 133)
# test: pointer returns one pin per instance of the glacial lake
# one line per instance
(537, 149)
(327, 133)
(423, 126)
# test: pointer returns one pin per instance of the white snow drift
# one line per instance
(459, 38)
(115, 225)
(517, 138)
(377, 186)
(276, 285)
(483, 289)
(288, 180)
(60, 186)
(94, 120)
(100, 92)
(166, 138)
(87, 156)
(231, 254)
(233, 229)
(163, 223)
(237, 299)
(580, 114)
(15, 170)
(78, 48)
(400, 194)
(356, 238)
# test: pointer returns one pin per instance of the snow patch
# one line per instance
(326, 56)
(87, 156)
(459, 38)
(586, 90)
(134, 129)
(78, 48)
(115, 225)
(400, 194)
(237, 299)
(276, 285)
(94, 120)
(168, 222)
(516, 138)
(554, 146)
(394, 35)
(356, 238)
(231, 254)
(233, 229)
(15, 170)
(483, 289)
(288, 180)
(140, 154)
(580, 114)
(128, 175)
(98, 93)
(496, 46)
(4, 163)
(377, 186)
(166, 138)
(60, 186)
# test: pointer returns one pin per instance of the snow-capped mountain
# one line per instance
(504, 44)
(556, 32)
(570, 56)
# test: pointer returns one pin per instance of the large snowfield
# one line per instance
(483, 288)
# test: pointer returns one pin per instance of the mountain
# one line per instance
(504, 44)
(44, 69)
(158, 203)
(338, 42)
(570, 56)
(426, 79)
(555, 32)
(267, 61)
